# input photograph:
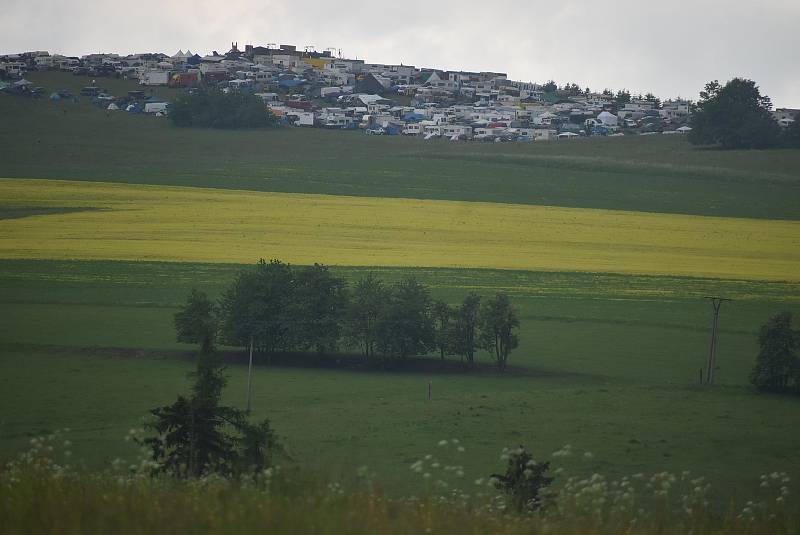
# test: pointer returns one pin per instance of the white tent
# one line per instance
(684, 129)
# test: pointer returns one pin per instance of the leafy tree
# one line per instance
(406, 327)
(363, 312)
(525, 481)
(196, 322)
(791, 135)
(550, 87)
(498, 320)
(607, 92)
(196, 435)
(777, 364)
(257, 308)
(623, 97)
(238, 310)
(465, 328)
(210, 108)
(319, 304)
(443, 324)
(735, 116)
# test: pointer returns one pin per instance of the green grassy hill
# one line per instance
(646, 173)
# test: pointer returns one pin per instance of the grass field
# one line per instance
(610, 240)
(607, 363)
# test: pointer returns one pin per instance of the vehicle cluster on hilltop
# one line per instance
(318, 89)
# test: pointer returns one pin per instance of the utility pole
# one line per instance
(250, 375)
(716, 302)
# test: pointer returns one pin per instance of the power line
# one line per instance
(716, 303)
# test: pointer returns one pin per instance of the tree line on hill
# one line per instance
(278, 308)
(737, 116)
(211, 108)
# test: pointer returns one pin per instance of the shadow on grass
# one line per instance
(348, 362)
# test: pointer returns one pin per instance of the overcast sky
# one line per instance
(672, 48)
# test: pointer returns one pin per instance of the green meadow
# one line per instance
(607, 363)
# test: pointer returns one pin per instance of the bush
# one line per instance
(210, 108)
(525, 480)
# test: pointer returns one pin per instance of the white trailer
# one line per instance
(156, 107)
(412, 129)
(303, 118)
(154, 78)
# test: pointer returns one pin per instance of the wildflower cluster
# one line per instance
(42, 458)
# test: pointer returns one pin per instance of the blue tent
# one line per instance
(291, 83)
(412, 117)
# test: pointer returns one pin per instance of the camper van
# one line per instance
(156, 107)
(412, 129)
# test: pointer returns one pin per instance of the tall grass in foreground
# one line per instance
(41, 493)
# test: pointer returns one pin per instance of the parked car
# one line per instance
(376, 131)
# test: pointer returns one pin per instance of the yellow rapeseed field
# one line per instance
(137, 222)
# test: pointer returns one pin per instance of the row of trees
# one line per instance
(211, 108)
(737, 116)
(278, 308)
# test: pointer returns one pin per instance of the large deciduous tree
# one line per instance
(363, 313)
(498, 323)
(465, 328)
(406, 327)
(442, 314)
(734, 116)
(777, 366)
(318, 307)
(256, 308)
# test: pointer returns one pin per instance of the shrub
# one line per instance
(525, 480)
